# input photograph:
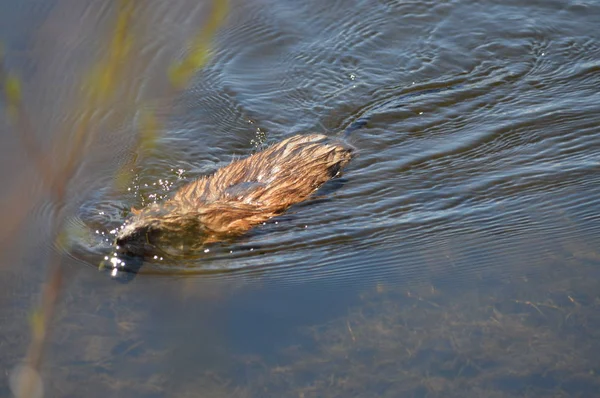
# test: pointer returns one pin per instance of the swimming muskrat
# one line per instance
(236, 197)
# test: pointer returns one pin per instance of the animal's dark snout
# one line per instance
(130, 248)
(124, 244)
(141, 241)
(132, 242)
(125, 240)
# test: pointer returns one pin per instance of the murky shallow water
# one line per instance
(456, 257)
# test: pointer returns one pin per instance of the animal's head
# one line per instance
(159, 229)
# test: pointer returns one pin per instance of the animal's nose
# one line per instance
(125, 245)
(120, 243)
(126, 242)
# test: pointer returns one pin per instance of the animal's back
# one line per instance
(238, 196)
(254, 189)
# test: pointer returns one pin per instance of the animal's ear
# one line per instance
(135, 211)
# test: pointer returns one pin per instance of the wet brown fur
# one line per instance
(240, 195)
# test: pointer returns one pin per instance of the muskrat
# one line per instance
(236, 197)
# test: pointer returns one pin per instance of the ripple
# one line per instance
(482, 135)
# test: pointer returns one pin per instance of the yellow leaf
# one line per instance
(148, 130)
(12, 87)
(38, 328)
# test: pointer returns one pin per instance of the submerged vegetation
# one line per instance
(470, 340)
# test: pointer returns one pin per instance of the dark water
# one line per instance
(458, 255)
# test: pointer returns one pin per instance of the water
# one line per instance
(457, 256)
